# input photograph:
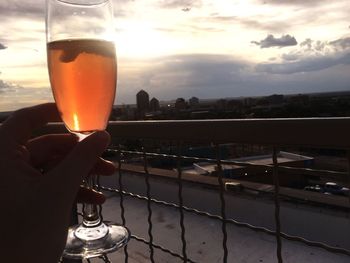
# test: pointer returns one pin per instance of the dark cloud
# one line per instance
(180, 3)
(215, 76)
(271, 41)
(205, 70)
(222, 19)
(202, 75)
(308, 64)
(290, 56)
(307, 43)
(312, 45)
(337, 45)
(198, 71)
(2, 46)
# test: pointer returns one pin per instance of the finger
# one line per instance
(103, 167)
(45, 148)
(82, 158)
(23, 122)
(90, 196)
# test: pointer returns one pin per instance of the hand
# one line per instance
(39, 181)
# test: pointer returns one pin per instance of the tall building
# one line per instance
(154, 104)
(142, 101)
(180, 104)
(194, 101)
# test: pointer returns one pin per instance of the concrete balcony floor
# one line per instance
(204, 236)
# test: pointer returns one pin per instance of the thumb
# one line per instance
(82, 158)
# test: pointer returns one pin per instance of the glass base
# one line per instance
(83, 242)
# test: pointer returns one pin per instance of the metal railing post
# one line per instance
(223, 204)
(277, 205)
(180, 197)
(121, 199)
(148, 192)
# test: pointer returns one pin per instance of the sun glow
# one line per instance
(141, 39)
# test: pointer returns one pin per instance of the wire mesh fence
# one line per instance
(119, 191)
(273, 136)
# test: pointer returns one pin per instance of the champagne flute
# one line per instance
(82, 69)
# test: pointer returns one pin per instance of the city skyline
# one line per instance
(185, 48)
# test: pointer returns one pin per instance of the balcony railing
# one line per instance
(272, 134)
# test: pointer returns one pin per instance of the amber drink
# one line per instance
(83, 79)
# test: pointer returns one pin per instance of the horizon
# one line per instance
(326, 93)
(204, 48)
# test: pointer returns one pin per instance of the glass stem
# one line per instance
(91, 216)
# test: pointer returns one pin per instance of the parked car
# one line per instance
(335, 189)
(314, 188)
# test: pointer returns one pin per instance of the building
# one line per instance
(194, 101)
(154, 104)
(142, 101)
(252, 173)
(180, 104)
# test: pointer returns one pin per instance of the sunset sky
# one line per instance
(184, 48)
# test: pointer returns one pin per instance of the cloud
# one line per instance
(5, 87)
(215, 76)
(35, 9)
(307, 43)
(190, 28)
(308, 49)
(29, 8)
(315, 50)
(305, 65)
(342, 43)
(203, 75)
(203, 70)
(257, 22)
(290, 56)
(271, 41)
(207, 76)
(15, 96)
(2, 46)
(294, 2)
(180, 3)
(315, 46)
